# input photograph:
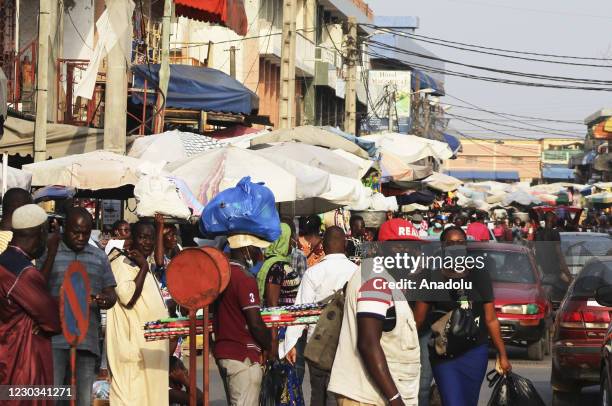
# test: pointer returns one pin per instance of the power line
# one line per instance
(500, 49)
(448, 44)
(525, 118)
(499, 132)
(502, 115)
(558, 132)
(492, 79)
(488, 69)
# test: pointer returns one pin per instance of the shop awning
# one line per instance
(466, 174)
(229, 13)
(199, 88)
(453, 142)
(557, 172)
(62, 139)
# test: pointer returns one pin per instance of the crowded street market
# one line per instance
(268, 203)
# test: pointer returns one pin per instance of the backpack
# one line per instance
(321, 348)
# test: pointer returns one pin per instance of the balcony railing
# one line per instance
(560, 155)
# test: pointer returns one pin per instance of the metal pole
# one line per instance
(4, 172)
(193, 357)
(164, 69)
(205, 374)
(350, 97)
(73, 375)
(42, 81)
(232, 52)
(287, 70)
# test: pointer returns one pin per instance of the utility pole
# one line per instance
(164, 68)
(427, 108)
(391, 110)
(287, 70)
(350, 96)
(42, 81)
(232, 52)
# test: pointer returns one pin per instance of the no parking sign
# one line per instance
(74, 303)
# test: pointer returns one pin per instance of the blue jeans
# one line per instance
(426, 372)
(86, 373)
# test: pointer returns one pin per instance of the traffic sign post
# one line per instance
(74, 311)
(196, 277)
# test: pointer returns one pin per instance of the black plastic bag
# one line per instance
(512, 390)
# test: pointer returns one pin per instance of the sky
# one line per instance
(561, 27)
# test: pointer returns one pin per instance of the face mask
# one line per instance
(542, 224)
(417, 225)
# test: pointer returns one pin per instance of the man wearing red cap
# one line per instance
(378, 359)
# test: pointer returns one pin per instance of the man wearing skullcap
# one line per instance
(12, 199)
(29, 316)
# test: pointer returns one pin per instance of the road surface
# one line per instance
(537, 371)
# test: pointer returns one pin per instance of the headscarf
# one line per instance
(278, 251)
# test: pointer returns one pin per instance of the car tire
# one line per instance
(535, 350)
(564, 398)
(604, 392)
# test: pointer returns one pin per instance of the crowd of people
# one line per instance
(385, 346)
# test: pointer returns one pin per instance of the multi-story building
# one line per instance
(319, 76)
(595, 163)
(511, 159)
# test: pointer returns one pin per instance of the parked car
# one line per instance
(578, 248)
(580, 328)
(522, 305)
(603, 296)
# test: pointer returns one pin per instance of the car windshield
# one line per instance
(507, 267)
(593, 276)
(585, 245)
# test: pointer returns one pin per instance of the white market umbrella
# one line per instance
(311, 135)
(311, 181)
(210, 172)
(16, 178)
(171, 146)
(410, 147)
(600, 198)
(93, 170)
(325, 159)
(442, 182)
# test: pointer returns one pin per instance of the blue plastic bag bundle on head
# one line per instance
(248, 208)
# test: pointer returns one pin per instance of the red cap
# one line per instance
(398, 229)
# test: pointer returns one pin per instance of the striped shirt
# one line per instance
(100, 276)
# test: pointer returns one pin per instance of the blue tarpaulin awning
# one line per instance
(453, 142)
(557, 172)
(369, 146)
(466, 174)
(424, 81)
(199, 88)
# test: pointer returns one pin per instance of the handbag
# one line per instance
(456, 331)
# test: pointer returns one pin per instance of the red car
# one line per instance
(522, 305)
(581, 327)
